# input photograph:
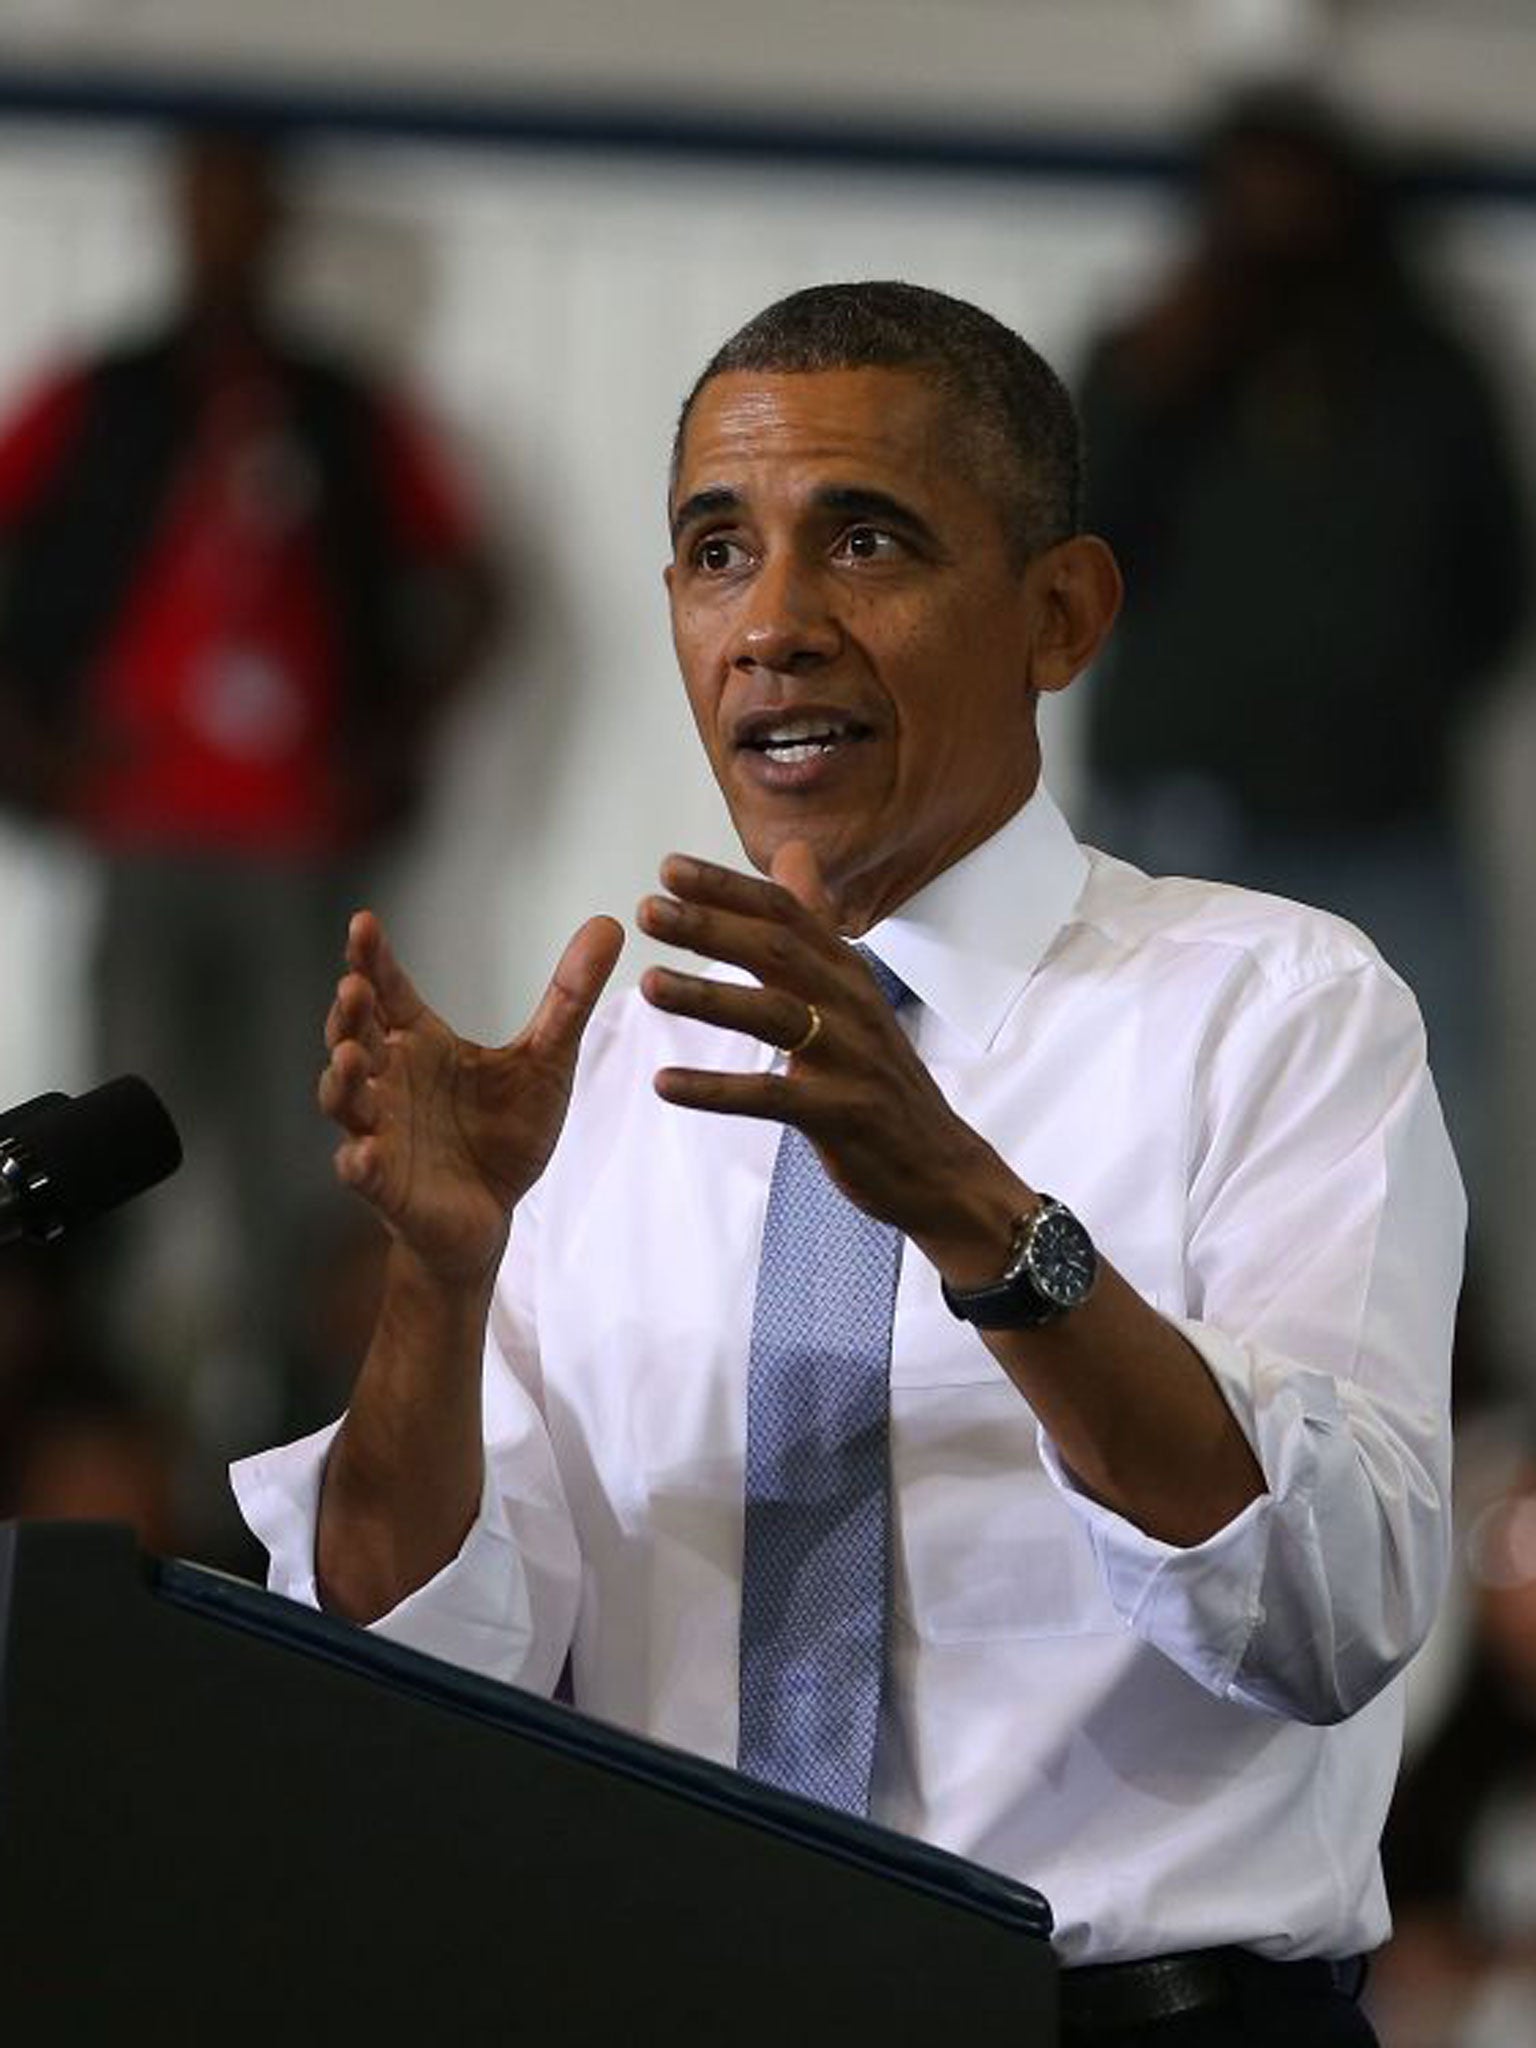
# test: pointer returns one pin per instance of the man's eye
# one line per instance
(716, 554)
(868, 544)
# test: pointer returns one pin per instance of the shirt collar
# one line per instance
(968, 942)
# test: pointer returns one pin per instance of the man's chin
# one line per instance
(763, 840)
(846, 876)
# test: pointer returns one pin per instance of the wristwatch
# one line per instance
(1051, 1269)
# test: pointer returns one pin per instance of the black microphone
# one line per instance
(64, 1160)
(11, 1120)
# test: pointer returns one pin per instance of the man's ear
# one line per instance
(1077, 593)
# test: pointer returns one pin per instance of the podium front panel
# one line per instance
(225, 1818)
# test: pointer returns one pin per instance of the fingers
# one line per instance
(347, 1093)
(777, 1017)
(706, 883)
(795, 868)
(354, 1015)
(769, 1097)
(816, 1001)
(747, 922)
(355, 1034)
(359, 1166)
(821, 1107)
(581, 974)
(370, 954)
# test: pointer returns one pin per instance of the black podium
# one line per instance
(224, 1818)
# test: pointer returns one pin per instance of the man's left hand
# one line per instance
(853, 1083)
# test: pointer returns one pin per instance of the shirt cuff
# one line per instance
(475, 1612)
(1201, 1605)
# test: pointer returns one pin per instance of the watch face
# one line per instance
(1062, 1262)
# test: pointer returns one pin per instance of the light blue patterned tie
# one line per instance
(814, 1564)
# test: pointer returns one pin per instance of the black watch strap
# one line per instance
(1018, 1301)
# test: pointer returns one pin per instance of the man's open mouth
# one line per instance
(790, 740)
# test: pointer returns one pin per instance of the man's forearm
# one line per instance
(1123, 1395)
(402, 1483)
(1135, 1414)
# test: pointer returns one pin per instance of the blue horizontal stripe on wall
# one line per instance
(548, 122)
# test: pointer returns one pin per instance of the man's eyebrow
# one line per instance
(846, 501)
(707, 504)
(863, 501)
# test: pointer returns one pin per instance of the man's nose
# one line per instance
(788, 621)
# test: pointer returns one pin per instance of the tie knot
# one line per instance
(892, 987)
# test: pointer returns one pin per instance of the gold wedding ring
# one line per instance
(812, 1033)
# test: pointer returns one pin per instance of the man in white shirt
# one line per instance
(1167, 1504)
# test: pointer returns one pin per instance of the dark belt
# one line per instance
(1102, 1997)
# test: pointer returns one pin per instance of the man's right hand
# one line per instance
(444, 1137)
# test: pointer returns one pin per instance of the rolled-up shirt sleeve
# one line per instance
(1322, 1262)
(505, 1606)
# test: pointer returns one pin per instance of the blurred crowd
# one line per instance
(242, 583)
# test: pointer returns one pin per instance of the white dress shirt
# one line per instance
(1178, 1747)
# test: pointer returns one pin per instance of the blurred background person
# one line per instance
(1460, 1846)
(240, 585)
(1304, 472)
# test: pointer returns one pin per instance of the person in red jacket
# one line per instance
(240, 584)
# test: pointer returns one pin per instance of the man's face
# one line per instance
(853, 628)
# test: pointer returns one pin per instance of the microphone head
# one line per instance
(11, 1120)
(88, 1155)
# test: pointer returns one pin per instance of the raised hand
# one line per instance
(854, 1085)
(444, 1137)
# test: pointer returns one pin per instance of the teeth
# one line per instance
(798, 739)
(796, 730)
